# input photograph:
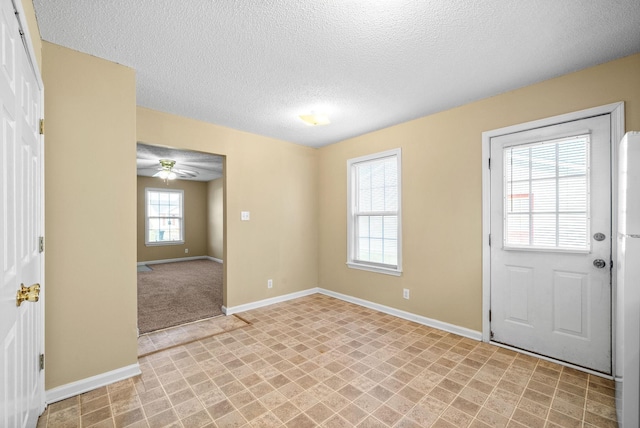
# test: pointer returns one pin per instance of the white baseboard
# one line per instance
(450, 328)
(181, 259)
(266, 302)
(215, 260)
(84, 385)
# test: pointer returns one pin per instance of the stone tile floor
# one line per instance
(318, 361)
(150, 343)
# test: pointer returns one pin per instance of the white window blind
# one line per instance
(374, 212)
(546, 194)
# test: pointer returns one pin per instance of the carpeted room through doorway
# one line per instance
(176, 293)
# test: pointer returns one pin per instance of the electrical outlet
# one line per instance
(186, 251)
(245, 215)
(269, 283)
(405, 293)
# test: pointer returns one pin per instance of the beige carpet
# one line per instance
(176, 293)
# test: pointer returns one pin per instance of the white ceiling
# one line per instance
(190, 165)
(255, 65)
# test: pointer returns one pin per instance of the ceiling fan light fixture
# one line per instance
(167, 170)
(315, 119)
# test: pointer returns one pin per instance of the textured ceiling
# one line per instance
(189, 165)
(255, 65)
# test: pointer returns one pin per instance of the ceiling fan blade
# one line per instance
(185, 173)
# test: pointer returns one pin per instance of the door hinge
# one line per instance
(611, 264)
(489, 239)
(489, 315)
(41, 362)
(489, 163)
(41, 126)
(41, 244)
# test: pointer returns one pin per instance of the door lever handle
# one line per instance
(28, 294)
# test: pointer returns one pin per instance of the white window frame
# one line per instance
(146, 217)
(352, 211)
(557, 248)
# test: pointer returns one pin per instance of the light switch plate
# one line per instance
(245, 216)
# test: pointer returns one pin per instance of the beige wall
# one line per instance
(90, 215)
(195, 220)
(215, 218)
(442, 195)
(277, 182)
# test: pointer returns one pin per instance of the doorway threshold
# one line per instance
(160, 340)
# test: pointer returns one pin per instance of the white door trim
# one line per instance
(616, 111)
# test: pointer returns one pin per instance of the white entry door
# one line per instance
(551, 241)
(21, 327)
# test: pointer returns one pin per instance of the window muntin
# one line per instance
(546, 195)
(374, 212)
(164, 217)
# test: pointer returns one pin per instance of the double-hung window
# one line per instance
(374, 213)
(164, 216)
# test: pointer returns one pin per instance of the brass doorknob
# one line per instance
(29, 294)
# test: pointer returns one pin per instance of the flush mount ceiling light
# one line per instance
(166, 170)
(315, 119)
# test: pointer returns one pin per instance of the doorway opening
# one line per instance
(180, 236)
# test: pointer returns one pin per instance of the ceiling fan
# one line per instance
(166, 171)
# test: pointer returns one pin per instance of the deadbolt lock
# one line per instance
(28, 294)
(599, 263)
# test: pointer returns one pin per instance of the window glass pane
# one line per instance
(541, 182)
(363, 249)
(573, 231)
(518, 160)
(391, 198)
(391, 172)
(375, 227)
(152, 210)
(573, 157)
(518, 197)
(364, 200)
(573, 193)
(375, 248)
(363, 227)
(377, 174)
(543, 230)
(364, 176)
(390, 255)
(390, 227)
(518, 202)
(153, 198)
(543, 196)
(377, 199)
(543, 161)
(517, 232)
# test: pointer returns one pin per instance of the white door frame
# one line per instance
(27, 40)
(616, 110)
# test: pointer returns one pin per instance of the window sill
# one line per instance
(161, 244)
(376, 269)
